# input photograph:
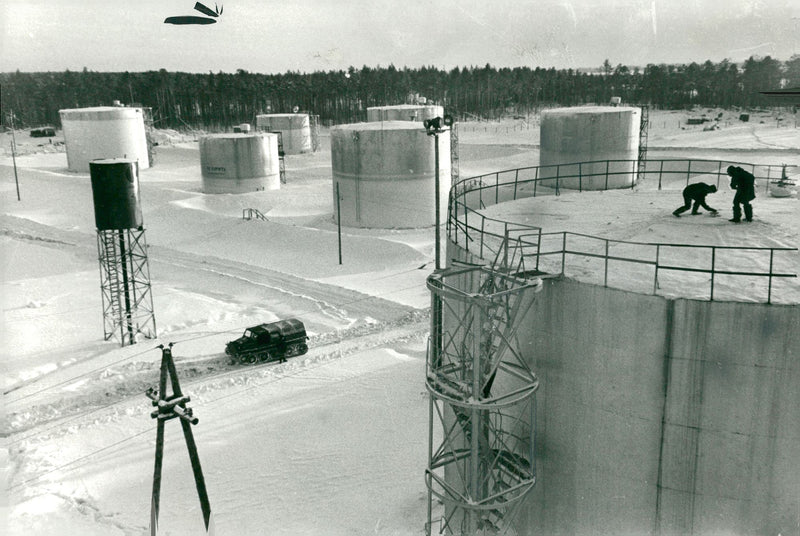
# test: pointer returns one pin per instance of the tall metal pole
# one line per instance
(339, 220)
(14, 154)
(436, 197)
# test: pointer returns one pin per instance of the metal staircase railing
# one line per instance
(482, 394)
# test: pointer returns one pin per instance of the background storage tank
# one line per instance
(295, 130)
(104, 132)
(404, 112)
(239, 163)
(386, 174)
(593, 134)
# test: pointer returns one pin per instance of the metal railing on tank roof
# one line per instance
(485, 237)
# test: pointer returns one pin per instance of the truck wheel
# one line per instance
(252, 359)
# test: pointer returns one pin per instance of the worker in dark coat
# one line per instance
(744, 184)
(694, 196)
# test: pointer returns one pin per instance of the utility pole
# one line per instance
(170, 407)
(14, 153)
(339, 220)
(434, 127)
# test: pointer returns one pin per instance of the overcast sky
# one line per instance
(271, 36)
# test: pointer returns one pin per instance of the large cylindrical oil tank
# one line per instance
(404, 112)
(295, 130)
(600, 144)
(239, 163)
(115, 190)
(103, 132)
(386, 174)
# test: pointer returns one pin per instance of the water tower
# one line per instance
(122, 251)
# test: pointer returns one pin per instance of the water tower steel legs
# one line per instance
(125, 285)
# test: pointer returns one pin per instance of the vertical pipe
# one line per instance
(605, 277)
(496, 187)
(535, 181)
(429, 527)
(607, 172)
(124, 265)
(660, 174)
(580, 176)
(475, 451)
(563, 253)
(339, 220)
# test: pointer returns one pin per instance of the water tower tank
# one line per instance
(104, 132)
(115, 190)
(594, 134)
(386, 174)
(295, 130)
(239, 163)
(404, 112)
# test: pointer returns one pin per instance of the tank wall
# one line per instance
(295, 130)
(386, 177)
(584, 136)
(91, 135)
(406, 112)
(239, 163)
(115, 192)
(661, 416)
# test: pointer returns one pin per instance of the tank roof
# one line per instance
(404, 106)
(299, 114)
(113, 161)
(589, 110)
(237, 135)
(98, 109)
(381, 125)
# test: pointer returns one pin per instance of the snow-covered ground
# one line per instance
(332, 442)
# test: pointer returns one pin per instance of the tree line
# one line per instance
(220, 100)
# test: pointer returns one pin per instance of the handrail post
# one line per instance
(608, 164)
(660, 173)
(538, 248)
(769, 284)
(605, 276)
(516, 178)
(483, 221)
(655, 275)
(713, 267)
(535, 181)
(719, 173)
(580, 176)
(558, 176)
(564, 253)
(688, 171)
(466, 228)
(496, 187)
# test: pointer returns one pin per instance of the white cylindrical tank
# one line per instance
(591, 136)
(295, 130)
(386, 174)
(239, 163)
(404, 112)
(103, 132)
